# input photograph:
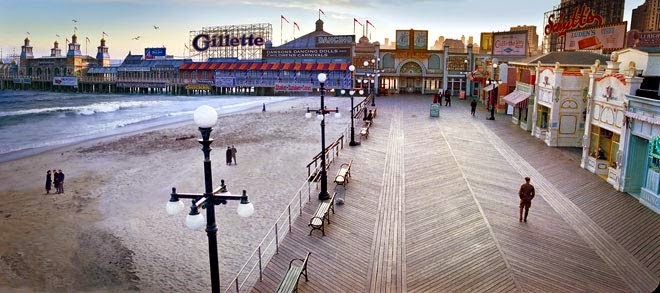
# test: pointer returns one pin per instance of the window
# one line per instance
(604, 145)
(542, 118)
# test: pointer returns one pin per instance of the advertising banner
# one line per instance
(65, 81)
(307, 53)
(335, 41)
(201, 87)
(224, 81)
(608, 38)
(636, 38)
(421, 39)
(25, 80)
(486, 43)
(510, 44)
(403, 40)
(293, 87)
(154, 53)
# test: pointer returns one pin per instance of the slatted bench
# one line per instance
(290, 281)
(364, 131)
(343, 173)
(322, 214)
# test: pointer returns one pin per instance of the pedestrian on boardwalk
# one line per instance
(233, 154)
(473, 106)
(526, 194)
(228, 156)
(49, 181)
(61, 181)
(56, 181)
(447, 98)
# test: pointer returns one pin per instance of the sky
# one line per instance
(124, 20)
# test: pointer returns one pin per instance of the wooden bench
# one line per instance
(343, 173)
(322, 214)
(364, 131)
(290, 281)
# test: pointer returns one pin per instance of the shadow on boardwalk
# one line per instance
(432, 206)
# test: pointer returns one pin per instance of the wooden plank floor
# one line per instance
(432, 207)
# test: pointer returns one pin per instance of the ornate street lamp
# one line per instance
(320, 114)
(205, 117)
(351, 92)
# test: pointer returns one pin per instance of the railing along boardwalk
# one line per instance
(432, 207)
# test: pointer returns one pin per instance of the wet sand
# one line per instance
(109, 231)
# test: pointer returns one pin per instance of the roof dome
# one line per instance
(27, 39)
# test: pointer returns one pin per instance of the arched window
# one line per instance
(388, 61)
(435, 62)
(411, 68)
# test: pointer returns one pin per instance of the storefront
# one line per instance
(558, 117)
(602, 149)
(641, 177)
(519, 99)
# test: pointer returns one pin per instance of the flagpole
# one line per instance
(281, 28)
(367, 28)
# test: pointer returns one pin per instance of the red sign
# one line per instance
(581, 17)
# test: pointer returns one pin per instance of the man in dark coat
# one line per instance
(56, 181)
(228, 156)
(473, 107)
(526, 194)
(61, 176)
(447, 98)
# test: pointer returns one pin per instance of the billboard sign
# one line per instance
(24, 80)
(558, 23)
(335, 41)
(221, 81)
(307, 53)
(510, 44)
(154, 53)
(486, 42)
(607, 38)
(65, 81)
(293, 87)
(403, 40)
(636, 38)
(421, 40)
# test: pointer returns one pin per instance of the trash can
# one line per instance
(435, 110)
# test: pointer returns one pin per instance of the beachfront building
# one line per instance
(603, 143)
(559, 106)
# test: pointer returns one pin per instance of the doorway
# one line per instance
(637, 165)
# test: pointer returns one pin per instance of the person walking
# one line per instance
(61, 176)
(233, 154)
(447, 98)
(473, 106)
(526, 194)
(49, 182)
(56, 181)
(228, 156)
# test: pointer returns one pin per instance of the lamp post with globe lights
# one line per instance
(493, 93)
(206, 117)
(320, 114)
(351, 92)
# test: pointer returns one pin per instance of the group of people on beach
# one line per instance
(55, 179)
(230, 155)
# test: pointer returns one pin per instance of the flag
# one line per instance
(28, 33)
(321, 11)
(186, 46)
(104, 34)
(67, 40)
(57, 35)
(296, 25)
(355, 20)
(75, 28)
(282, 17)
(369, 23)
(87, 39)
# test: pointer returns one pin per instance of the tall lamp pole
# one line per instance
(206, 117)
(351, 92)
(322, 77)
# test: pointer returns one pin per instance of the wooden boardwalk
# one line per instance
(432, 207)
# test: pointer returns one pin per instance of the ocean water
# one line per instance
(33, 121)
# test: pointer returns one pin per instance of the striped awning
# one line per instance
(244, 66)
(517, 99)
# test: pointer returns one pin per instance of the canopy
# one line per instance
(517, 99)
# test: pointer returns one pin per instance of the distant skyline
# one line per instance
(124, 20)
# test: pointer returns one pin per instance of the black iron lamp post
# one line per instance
(351, 92)
(493, 98)
(320, 114)
(206, 117)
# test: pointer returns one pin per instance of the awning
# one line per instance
(517, 99)
(490, 87)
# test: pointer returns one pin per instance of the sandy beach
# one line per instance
(109, 231)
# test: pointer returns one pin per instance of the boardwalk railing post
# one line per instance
(237, 289)
(260, 269)
(300, 201)
(289, 208)
(277, 241)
